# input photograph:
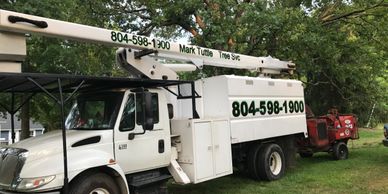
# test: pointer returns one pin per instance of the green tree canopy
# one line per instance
(339, 46)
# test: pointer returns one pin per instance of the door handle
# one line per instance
(161, 146)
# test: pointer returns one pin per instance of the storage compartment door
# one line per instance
(222, 147)
(203, 150)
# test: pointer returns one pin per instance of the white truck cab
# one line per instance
(104, 129)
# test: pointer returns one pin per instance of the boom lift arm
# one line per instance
(13, 24)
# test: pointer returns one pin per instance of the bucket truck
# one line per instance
(130, 135)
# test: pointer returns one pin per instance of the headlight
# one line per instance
(2, 150)
(33, 183)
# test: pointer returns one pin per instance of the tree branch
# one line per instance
(331, 18)
(199, 21)
(315, 84)
(144, 17)
(188, 28)
(146, 31)
(366, 30)
(336, 86)
(230, 43)
(327, 13)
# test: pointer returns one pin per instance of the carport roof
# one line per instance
(27, 82)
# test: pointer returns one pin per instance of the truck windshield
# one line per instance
(94, 111)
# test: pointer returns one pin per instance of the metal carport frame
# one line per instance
(49, 84)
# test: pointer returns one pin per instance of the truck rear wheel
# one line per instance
(271, 162)
(94, 183)
(340, 151)
(252, 161)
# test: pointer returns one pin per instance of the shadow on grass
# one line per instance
(234, 183)
(319, 157)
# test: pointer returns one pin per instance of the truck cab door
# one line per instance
(145, 149)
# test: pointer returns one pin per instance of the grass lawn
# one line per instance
(366, 171)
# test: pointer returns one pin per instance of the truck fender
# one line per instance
(94, 160)
(118, 170)
(114, 170)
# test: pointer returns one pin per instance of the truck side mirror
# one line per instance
(148, 117)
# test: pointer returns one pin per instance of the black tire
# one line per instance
(89, 182)
(252, 161)
(340, 151)
(271, 162)
(306, 154)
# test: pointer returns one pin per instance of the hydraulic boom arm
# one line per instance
(13, 22)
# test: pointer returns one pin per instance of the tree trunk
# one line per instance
(25, 120)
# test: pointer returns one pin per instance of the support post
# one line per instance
(193, 103)
(13, 135)
(61, 103)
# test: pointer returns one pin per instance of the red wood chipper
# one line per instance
(329, 133)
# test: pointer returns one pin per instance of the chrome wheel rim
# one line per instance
(99, 191)
(275, 163)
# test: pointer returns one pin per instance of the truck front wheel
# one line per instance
(94, 183)
(271, 162)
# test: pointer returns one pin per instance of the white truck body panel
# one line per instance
(219, 93)
(205, 148)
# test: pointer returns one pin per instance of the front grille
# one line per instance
(11, 163)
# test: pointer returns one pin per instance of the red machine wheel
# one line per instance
(340, 151)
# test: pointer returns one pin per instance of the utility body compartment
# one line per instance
(257, 108)
(204, 152)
